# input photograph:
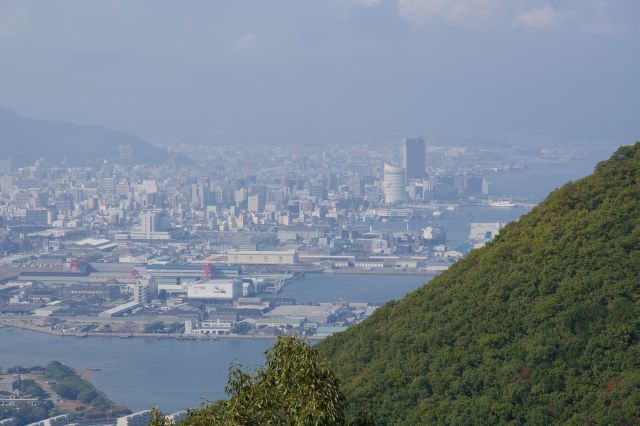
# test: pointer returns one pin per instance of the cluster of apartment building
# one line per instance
(167, 242)
(289, 197)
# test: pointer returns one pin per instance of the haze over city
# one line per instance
(319, 212)
(347, 71)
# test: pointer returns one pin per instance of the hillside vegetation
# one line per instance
(292, 389)
(70, 386)
(539, 327)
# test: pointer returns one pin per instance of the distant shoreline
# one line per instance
(152, 336)
(378, 272)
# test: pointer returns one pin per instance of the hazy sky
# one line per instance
(305, 71)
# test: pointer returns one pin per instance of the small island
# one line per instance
(31, 394)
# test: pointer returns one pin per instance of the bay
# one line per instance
(318, 287)
(139, 372)
(177, 374)
(174, 374)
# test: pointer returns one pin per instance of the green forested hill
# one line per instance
(539, 327)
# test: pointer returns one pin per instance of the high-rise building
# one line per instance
(6, 184)
(485, 187)
(154, 221)
(255, 203)
(356, 186)
(199, 195)
(5, 167)
(153, 225)
(475, 185)
(317, 190)
(260, 190)
(394, 184)
(471, 185)
(413, 158)
(332, 182)
(427, 190)
(240, 195)
(145, 289)
(109, 184)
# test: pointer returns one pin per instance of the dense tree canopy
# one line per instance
(67, 384)
(293, 388)
(541, 326)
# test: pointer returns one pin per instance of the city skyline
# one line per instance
(319, 212)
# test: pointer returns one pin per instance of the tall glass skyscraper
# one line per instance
(413, 158)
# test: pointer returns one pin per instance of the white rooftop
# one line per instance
(303, 311)
(119, 308)
(92, 242)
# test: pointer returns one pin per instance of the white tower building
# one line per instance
(394, 184)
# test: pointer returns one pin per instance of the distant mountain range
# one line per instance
(26, 140)
(541, 326)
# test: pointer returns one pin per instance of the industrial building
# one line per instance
(484, 231)
(190, 272)
(217, 289)
(119, 310)
(301, 233)
(322, 313)
(83, 290)
(279, 257)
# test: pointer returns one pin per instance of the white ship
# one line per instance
(502, 203)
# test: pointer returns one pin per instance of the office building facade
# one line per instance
(414, 158)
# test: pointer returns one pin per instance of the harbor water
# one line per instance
(176, 374)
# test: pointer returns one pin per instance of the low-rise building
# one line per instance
(368, 264)
(216, 324)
